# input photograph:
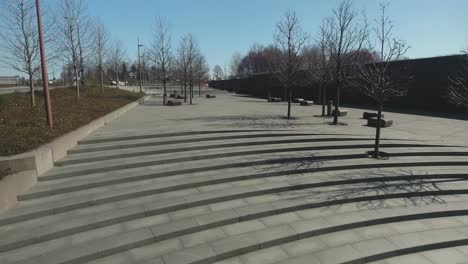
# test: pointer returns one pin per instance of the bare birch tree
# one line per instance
(375, 79)
(101, 41)
(20, 40)
(348, 37)
(290, 38)
(458, 91)
(161, 51)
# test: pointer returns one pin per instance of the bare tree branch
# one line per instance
(290, 39)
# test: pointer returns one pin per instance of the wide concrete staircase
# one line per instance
(243, 196)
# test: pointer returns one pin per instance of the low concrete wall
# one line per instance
(30, 165)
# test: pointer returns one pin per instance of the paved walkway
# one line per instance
(229, 180)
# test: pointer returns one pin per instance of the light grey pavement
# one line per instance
(229, 180)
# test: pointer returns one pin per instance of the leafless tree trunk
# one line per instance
(290, 38)
(19, 43)
(324, 70)
(202, 72)
(218, 72)
(116, 59)
(161, 51)
(458, 92)
(375, 78)
(348, 37)
(101, 41)
(187, 52)
(72, 11)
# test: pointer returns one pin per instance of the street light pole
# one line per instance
(139, 63)
(45, 79)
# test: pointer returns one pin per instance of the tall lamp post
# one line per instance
(45, 79)
(139, 64)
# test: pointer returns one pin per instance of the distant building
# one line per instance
(9, 80)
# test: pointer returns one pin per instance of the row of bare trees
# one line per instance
(347, 51)
(71, 37)
(84, 46)
(186, 64)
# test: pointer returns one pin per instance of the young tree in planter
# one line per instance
(323, 72)
(348, 37)
(375, 78)
(186, 53)
(458, 92)
(202, 71)
(161, 51)
(290, 38)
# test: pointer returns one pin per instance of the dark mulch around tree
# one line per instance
(23, 128)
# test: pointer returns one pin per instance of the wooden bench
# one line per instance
(368, 115)
(372, 122)
(210, 96)
(306, 103)
(340, 112)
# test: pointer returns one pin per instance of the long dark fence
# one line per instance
(427, 82)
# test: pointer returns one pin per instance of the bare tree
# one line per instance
(186, 54)
(161, 51)
(348, 37)
(323, 72)
(85, 39)
(19, 39)
(218, 72)
(192, 54)
(116, 60)
(101, 42)
(72, 11)
(202, 71)
(290, 38)
(375, 79)
(458, 92)
(234, 65)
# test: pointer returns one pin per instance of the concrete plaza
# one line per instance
(230, 180)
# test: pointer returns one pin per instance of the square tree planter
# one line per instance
(274, 100)
(372, 122)
(306, 103)
(340, 112)
(368, 115)
(173, 102)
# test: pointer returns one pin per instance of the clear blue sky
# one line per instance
(432, 27)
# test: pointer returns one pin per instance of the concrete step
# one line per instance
(165, 143)
(236, 239)
(184, 148)
(254, 211)
(62, 204)
(135, 162)
(112, 137)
